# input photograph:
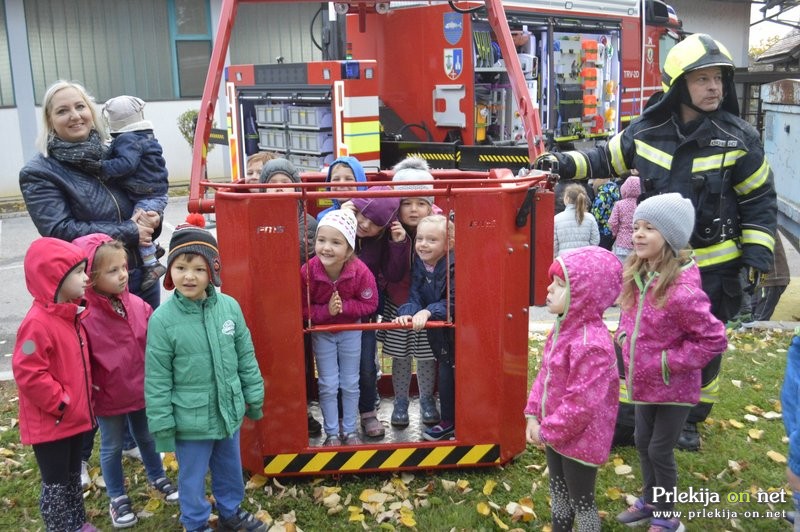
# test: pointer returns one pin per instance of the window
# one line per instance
(190, 30)
(112, 48)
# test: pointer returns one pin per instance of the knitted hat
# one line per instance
(409, 171)
(279, 166)
(556, 270)
(344, 221)
(190, 239)
(671, 214)
(381, 211)
(123, 111)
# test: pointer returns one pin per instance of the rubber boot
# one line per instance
(77, 515)
(56, 504)
(400, 412)
(427, 407)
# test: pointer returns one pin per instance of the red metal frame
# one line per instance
(217, 63)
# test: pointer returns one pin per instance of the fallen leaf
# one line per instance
(751, 418)
(753, 409)
(701, 476)
(755, 433)
(736, 424)
(448, 485)
(488, 487)
(499, 522)
(771, 415)
(153, 505)
(483, 508)
(776, 457)
(736, 383)
(623, 469)
(613, 493)
(256, 482)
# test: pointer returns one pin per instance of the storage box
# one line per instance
(270, 114)
(311, 141)
(318, 117)
(310, 163)
(271, 139)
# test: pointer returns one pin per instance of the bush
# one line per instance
(187, 124)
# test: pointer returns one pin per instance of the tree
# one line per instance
(762, 46)
(187, 124)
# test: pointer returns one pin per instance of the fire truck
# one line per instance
(588, 66)
(448, 94)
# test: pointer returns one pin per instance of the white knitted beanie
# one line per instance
(344, 221)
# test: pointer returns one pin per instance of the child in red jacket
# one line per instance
(51, 369)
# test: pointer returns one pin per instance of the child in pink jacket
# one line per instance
(573, 402)
(621, 219)
(667, 334)
(337, 288)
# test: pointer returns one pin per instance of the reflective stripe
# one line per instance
(717, 254)
(623, 392)
(581, 168)
(710, 392)
(762, 238)
(714, 162)
(615, 149)
(755, 180)
(654, 155)
(362, 137)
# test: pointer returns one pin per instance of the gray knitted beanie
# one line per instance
(279, 166)
(672, 215)
(123, 111)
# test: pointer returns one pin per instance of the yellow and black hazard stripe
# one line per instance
(501, 158)
(331, 462)
(442, 156)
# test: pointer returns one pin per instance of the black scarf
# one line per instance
(85, 155)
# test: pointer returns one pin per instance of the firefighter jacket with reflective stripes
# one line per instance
(720, 166)
(665, 347)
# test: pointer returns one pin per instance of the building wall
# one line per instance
(728, 22)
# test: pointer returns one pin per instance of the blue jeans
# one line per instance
(338, 357)
(152, 295)
(112, 431)
(195, 457)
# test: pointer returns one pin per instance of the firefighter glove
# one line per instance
(753, 279)
(546, 162)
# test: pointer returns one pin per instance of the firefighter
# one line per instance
(693, 142)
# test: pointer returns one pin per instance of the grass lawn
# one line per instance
(743, 446)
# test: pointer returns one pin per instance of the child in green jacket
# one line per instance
(201, 379)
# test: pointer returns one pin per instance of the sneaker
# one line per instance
(314, 427)
(352, 439)
(441, 431)
(152, 273)
(121, 512)
(167, 489)
(132, 453)
(86, 480)
(332, 440)
(241, 521)
(400, 412)
(689, 439)
(372, 427)
(666, 525)
(427, 407)
(637, 514)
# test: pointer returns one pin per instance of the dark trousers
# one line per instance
(572, 493)
(765, 300)
(59, 460)
(658, 428)
(446, 380)
(368, 373)
(724, 289)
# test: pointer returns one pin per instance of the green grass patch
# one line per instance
(736, 459)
